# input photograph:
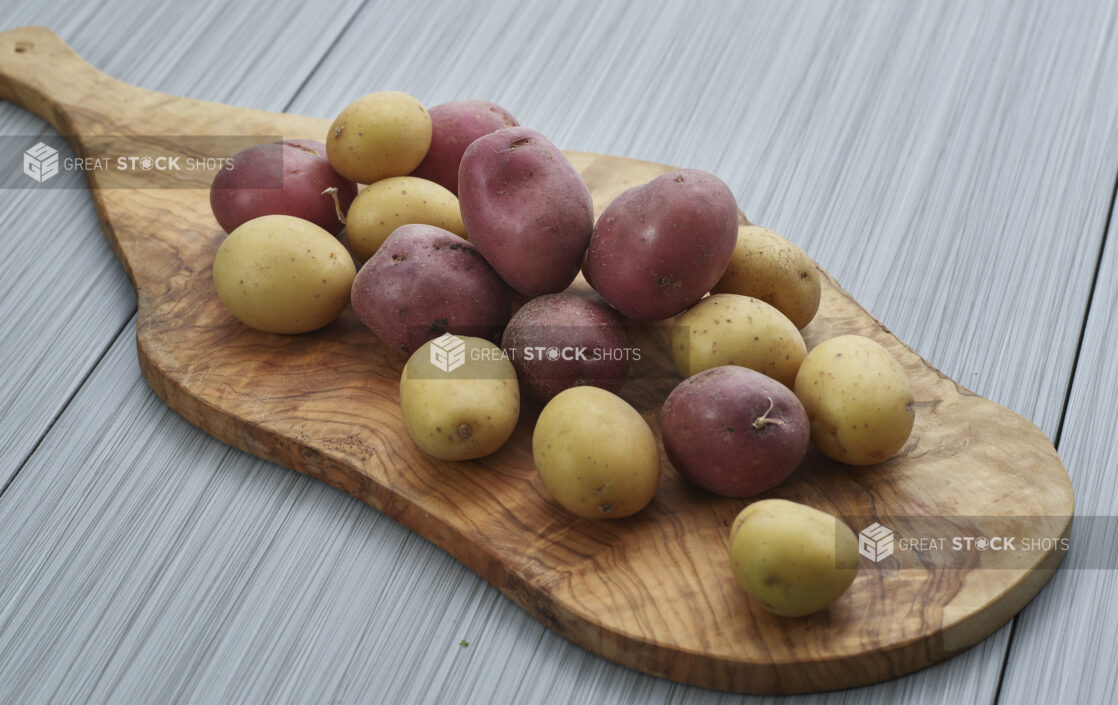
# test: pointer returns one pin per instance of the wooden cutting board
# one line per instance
(653, 592)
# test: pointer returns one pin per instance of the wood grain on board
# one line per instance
(653, 592)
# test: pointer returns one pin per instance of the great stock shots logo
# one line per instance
(40, 162)
(448, 352)
(135, 161)
(875, 542)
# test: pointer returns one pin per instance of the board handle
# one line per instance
(40, 72)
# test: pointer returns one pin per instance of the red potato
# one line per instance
(560, 341)
(253, 187)
(454, 126)
(659, 247)
(526, 208)
(734, 431)
(425, 281)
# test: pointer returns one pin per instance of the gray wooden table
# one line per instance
(952, 164)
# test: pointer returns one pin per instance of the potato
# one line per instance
(425, 281)
(562, 340)
(766, 266)
(282, 274)
(379, 135)
(595, 454)
(454, 126)
(399, 200)
(464, 411)
(526, 209)
(585, 270)
(659, 247)
(858, 399)
(727, 329)
(734, 431)
(280, 178)
(792, 559)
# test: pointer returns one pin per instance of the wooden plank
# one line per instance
(1063, 646)
(805, 162)
(61, 280)
(57, 276)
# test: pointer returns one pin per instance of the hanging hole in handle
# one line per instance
(24, 47)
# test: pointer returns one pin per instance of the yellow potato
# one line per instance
(395, 201)
(794, 560)
(728, 329)
(596, 454)
(858, 400)
(766, 266)
(459, 397)
(379, 135)
(282, 274)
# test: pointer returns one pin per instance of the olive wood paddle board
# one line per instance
(653, 592)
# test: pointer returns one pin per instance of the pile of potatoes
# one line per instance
(463, 232)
